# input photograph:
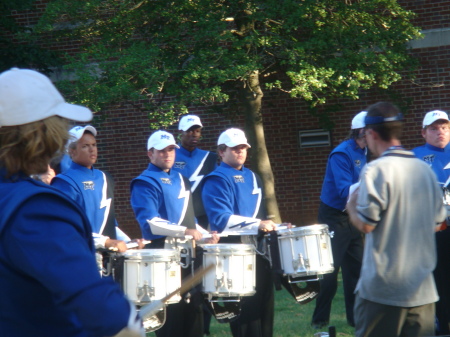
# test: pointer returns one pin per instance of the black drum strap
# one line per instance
(302, 295)
(275, 260)
(225, 313)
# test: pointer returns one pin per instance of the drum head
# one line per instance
(152, 254)
(302, 231)
(226, 249)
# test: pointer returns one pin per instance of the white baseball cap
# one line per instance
(358, 120)
(28, 96)
(160, 140)
(233, 137)
(188, 121)
(433, 116)
(78, 131)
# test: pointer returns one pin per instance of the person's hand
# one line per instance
(196, 235)
(116, 245)
(140, 243)
(213, 239)
(47, 176)
(267, 226)
(287, 224)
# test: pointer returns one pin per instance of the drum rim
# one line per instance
(224, 247)
(305, 230)
(156, 253)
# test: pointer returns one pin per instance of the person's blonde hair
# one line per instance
(29, 148)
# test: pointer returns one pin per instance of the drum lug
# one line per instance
(219, 282)
(145, 293)
(300, 263)
(230, 283)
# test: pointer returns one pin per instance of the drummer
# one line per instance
(48, 276)
(234, 202)
(92, 189)
(162, 203)
(436, 153)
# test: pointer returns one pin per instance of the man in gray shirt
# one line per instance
(399, 206)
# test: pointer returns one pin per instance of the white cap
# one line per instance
(27, 96)
(433, 116)
(188, 121)
(78, 131)
(160, 140)
(358, 120)
(233, 137)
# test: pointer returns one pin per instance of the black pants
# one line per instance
(442, 279)
(257, 311)
(347, 246)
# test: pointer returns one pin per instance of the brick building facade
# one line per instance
(298, 171)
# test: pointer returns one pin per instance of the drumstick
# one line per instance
(152, 308)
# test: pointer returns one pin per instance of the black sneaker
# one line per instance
(319, 325)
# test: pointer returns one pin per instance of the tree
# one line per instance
(19, 48)
(224, 54)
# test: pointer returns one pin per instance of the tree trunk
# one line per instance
(251, 98)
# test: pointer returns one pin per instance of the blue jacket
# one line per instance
(437, 158)
(49, 280)
(343, 168)
(92, 190)
(228, 191)
(165, 195)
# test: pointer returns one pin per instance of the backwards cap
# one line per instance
(78, 131)
(358, 120)
(28, 96)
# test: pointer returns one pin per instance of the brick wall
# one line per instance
(123, 131)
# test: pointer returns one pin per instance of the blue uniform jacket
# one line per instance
(437, 158)
(89, 189)
(156, 193)
(228, 191)
(49, 280)
(343, 168)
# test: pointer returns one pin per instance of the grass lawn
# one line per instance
(293, 319)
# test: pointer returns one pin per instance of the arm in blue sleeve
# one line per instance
(218, 201)
(342, 169)
(145, 201)
(51, 247)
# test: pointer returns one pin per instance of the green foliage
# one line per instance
(18, 45)
(199, 51)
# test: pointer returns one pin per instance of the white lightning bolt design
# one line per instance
(105, 203)
(195, 179)
(256, 190)
(183, 194)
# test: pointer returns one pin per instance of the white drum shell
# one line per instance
(305, 251)
(151, 274)
(234, 273)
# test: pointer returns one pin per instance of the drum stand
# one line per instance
(227, 313)
(301, 295)
(154, 322)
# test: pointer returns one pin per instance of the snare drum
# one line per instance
(151, 274)
(234, 274)
(305, 251)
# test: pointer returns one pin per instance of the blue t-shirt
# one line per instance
(49, 280)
